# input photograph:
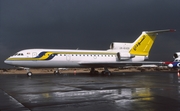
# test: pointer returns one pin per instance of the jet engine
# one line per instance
(120, 46)
(124, 56)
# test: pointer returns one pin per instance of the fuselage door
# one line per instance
(68, 57)
(34, 54)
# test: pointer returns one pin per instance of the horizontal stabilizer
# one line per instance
(160, 31)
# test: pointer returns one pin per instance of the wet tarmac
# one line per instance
(138, 91)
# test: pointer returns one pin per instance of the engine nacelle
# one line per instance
(176, 55)
(124, 56)
(120, 46)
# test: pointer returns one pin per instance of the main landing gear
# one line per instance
(105, 72)
(93, 71)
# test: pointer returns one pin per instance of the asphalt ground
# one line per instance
(136, 91)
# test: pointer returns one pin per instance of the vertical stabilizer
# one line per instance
(142, 45)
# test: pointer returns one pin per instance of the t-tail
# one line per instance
(142, 45)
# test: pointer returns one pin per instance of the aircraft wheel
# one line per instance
(29, 74)
(109, 73)
(106, 73)
(56, 72)
(94, 72)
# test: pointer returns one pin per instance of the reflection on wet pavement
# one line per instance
(131, 91)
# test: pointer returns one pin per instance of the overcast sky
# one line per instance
(87, 24)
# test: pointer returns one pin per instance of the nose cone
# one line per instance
(170, 65)
(7, 61)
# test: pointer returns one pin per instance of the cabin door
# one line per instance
(68, 57)
(34, 54)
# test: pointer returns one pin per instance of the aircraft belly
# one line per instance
(45, 64)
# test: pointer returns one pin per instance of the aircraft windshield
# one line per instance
(176, 60)
(18, 54)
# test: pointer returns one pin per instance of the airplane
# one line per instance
(119, 54)
(175, 63)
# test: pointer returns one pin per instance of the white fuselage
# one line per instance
(36, 58)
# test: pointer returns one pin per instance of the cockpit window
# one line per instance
(15, 54)
(176, 60)
(18, 54)
(175, 55)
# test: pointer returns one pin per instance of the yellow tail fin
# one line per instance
(142, 45)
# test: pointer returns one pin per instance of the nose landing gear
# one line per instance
(56, 71)
(29, 73)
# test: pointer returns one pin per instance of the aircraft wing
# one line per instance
(118, 64)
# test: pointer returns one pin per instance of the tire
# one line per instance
(109, 73)
(56, 72)
(106, 73)
(29, 74)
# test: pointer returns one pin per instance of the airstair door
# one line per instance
(68, 57)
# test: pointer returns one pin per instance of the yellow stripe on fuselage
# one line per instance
(23, 59)
(45, 56)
